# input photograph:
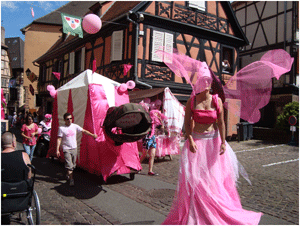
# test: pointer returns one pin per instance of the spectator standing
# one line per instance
(67, 138)
(35, 118)
(29, 131)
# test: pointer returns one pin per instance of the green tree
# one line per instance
(289, 109)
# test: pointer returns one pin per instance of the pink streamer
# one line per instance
(127, 67)
(57, 75)
(94, 65)
(32, 13)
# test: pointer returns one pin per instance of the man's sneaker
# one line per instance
(72, 182)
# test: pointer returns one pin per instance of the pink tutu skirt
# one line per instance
(206, 192)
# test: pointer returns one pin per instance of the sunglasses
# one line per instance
(68, 119)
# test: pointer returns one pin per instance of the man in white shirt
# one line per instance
(67, 138)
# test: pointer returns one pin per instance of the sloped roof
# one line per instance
(76, 8)
(119, 8)
(116, 10)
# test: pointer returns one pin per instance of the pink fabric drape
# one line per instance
(103, 157)
(54, 130)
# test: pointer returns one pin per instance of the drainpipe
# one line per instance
(136, 53)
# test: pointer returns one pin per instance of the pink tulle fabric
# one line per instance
(206, 192)
(251, 85)
(157, 119)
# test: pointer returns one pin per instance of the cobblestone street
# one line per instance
(274, 189)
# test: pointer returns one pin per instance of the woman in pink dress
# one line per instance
(206, 191)
(29, 131)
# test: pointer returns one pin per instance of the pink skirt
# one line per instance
(206, 191)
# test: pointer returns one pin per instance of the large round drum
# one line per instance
(127, 123)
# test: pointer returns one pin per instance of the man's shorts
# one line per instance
(70, 158)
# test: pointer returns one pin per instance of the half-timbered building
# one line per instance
(131, 33)
(271, 25)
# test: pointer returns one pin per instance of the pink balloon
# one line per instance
(130, 84)
(53, 93)
(39, 130)
(50, 87)
(91, 23)
(122, 87)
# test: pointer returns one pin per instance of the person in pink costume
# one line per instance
(206, 192)
(150, 140)
(45, 124)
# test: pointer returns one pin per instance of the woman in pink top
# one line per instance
(206, 191)
(29, 131)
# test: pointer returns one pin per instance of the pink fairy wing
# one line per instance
(189, 68)
(252, 85)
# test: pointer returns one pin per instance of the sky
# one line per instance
(16, 15)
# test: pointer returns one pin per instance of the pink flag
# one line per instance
(94, 65)
(32, 13)
(126, 68)
(57, 75)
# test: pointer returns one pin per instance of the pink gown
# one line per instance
(206, 191)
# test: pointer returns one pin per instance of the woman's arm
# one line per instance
(221, 126)
(188, 125)
(23, 133)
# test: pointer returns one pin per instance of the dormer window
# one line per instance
(200, 5)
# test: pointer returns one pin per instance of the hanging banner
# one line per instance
(31, 89)
(32, 77)
(72, 24)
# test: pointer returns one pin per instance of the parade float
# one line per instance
(87, 97)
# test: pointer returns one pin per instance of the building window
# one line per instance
(227, 60)
(2, 64)
(55, 66)
(161, 40)
(71, 63)
(77, 61)
(200, 5)
(38, 100)
(4, 82)
(116, 45)
(61, 68)
(3, 52)
(43, 73)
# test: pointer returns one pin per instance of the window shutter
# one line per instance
(71, 62)
(198, 5)
(157, 42)
(117, 45)
(168, 45)
(82, 59)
